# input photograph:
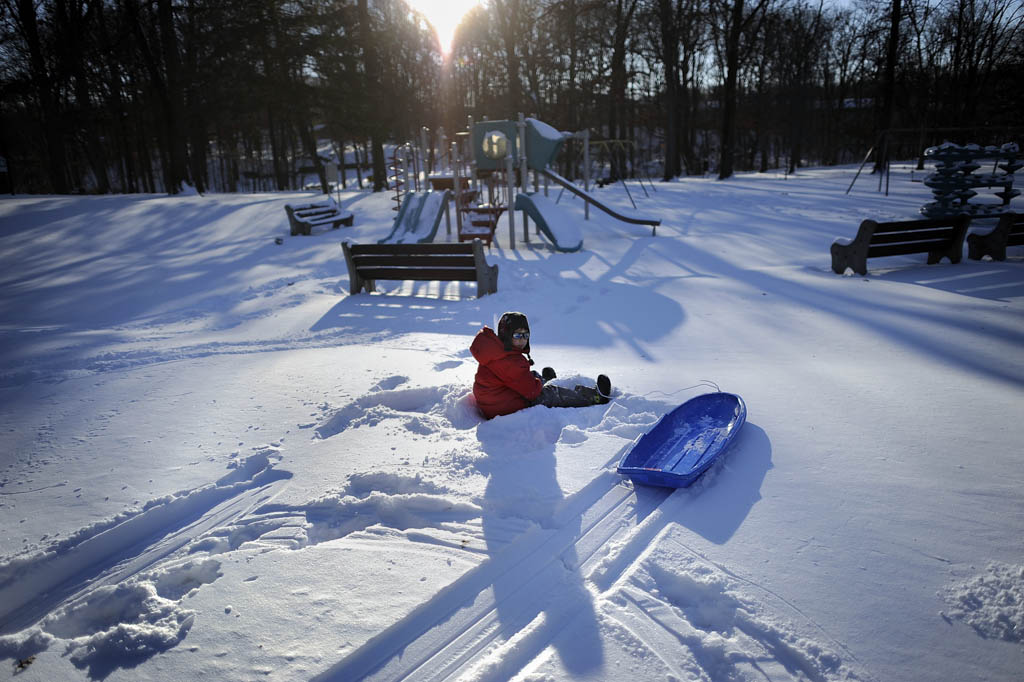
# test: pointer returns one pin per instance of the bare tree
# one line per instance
(735, 20)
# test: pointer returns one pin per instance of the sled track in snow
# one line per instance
(32, 587)
(503, 598)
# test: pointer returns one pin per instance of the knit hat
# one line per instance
(510, 322)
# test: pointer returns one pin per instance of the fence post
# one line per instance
(511, 179)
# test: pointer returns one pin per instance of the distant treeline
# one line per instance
(148, 95)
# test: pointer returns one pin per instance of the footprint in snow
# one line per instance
(390, 383)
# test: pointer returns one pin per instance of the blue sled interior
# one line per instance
(686, 441)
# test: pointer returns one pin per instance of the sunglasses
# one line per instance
(521, 335)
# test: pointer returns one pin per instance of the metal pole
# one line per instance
(452, 155)
(473, 180)
(442, 144)
(524, 177)
(405, 169)
(511, 179)
(586, 171)
(857, 174)
(885, 157)
(447, 217)
(424, 153)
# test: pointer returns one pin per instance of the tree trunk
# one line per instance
(732, 62)
(371, 64)
(51, 119)
(619, 80)
(70, 30)
(193, 99)
(670, 62)
(508, 17)
(173, 98)
(309, 141)
(889, 82)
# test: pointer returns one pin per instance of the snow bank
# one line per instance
(546, 131)
(221, 464)
(992, 603)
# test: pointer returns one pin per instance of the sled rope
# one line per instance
(703, 382)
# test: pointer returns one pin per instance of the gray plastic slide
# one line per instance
(597, 203)
(561, 228)
(418, 218)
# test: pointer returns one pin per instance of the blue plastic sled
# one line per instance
(686, 441)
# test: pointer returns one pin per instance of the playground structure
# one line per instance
(954, 181)
(489, 178)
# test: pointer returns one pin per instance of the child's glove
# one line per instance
(548, 374)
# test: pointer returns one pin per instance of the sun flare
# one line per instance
(444, 16)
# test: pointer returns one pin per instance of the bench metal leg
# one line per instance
(853, 256)
(355, 282)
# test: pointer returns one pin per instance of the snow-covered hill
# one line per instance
(214, 461)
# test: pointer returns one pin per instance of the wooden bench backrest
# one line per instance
(420, 262)
(410, 249)
(912, 236)
(423, 262)
(939, 238)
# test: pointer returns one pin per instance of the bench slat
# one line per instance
(420, 262)
(409, 249)
(321, 220)
(905, 249)
(414, 249)
(915, 225)
(915, 236)
(304, 217)
(420, 274)
(444, 261)
(315, 204)
(939, 238)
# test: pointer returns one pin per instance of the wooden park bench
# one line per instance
(421, 262)
(304, 217)
(1009, 232)
(939, 238)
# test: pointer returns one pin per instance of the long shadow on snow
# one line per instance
(722, 501)
(583, 311)
(836, 297)
(191, 266)
(991, 280)
(558, 589)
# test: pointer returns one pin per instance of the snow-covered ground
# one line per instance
(216, 462)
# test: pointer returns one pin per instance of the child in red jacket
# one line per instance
(504, 382)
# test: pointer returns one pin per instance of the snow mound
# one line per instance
(992, 603)
(387, 500)
(546, 131)
(424, 410)
(118, 624)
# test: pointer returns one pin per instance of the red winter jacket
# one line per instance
(504, 383)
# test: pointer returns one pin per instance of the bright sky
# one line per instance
(444, 16)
